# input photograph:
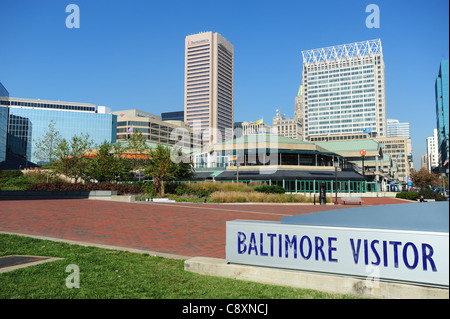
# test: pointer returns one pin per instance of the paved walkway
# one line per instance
(184, 229)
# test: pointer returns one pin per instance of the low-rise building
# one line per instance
(155, 130)
(400, 149)
(298, 166)
(258, 127)
(368, 158)
(29, 119)
(291, 128)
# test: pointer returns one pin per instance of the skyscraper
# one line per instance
(442, 115)
(432, 151)
(208, 93)
(299, 111)
(344, 90)
(396, 129)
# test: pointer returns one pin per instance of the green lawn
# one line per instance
(123, 275)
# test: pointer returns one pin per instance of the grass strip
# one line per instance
(113, 274)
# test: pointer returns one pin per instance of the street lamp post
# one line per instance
(363, 154)
(336, 164)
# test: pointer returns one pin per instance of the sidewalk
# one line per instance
(186, 229)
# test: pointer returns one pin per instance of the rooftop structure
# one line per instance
(342, 52)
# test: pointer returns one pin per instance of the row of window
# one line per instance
(148, 124)
(49, 106)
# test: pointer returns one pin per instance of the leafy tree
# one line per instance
(47, 144)
(108, 165)
(137, 147)
(161, 168)
(70, 157)
(424, 179)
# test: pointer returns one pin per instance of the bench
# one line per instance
(351, 200)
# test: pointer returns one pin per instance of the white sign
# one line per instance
(394, 255)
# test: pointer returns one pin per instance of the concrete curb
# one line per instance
(28, 264)
(104, 246)
(307, 280)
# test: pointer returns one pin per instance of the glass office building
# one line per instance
(442, 115)
(3, 124)
(29, 120)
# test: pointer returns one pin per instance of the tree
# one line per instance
(70, 157)
(46, 145)
(108, 164)
(424, 179)
(161, 168)
(139, 150)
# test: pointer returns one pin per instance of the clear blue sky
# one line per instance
(130, 54)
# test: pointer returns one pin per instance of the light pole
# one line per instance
(336, 164)
(237, 168)
(363, 154)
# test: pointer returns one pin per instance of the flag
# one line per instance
(399, 155)
(446, 162)
(130, 130)
(367, 130)
(121, 114)
(259, 121)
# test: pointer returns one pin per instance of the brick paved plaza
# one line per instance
(184, 229)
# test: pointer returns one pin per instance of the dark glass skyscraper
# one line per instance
(442, 115)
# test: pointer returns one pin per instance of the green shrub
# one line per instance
(10, 174)
(407, 195)
(170, 187)
(426, 193)
(183, 189)
(429, 194)
(270, 189)
(66, 186)
(148, 188)
(205, 189)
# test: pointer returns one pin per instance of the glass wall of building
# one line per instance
(3, 124)
(3, 91)
(27, 126)
(3, 132)
(442, 111)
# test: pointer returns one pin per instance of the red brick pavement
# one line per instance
(183, 228)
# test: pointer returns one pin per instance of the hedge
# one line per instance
(426, 193)
(64, 186)
(270, 189)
